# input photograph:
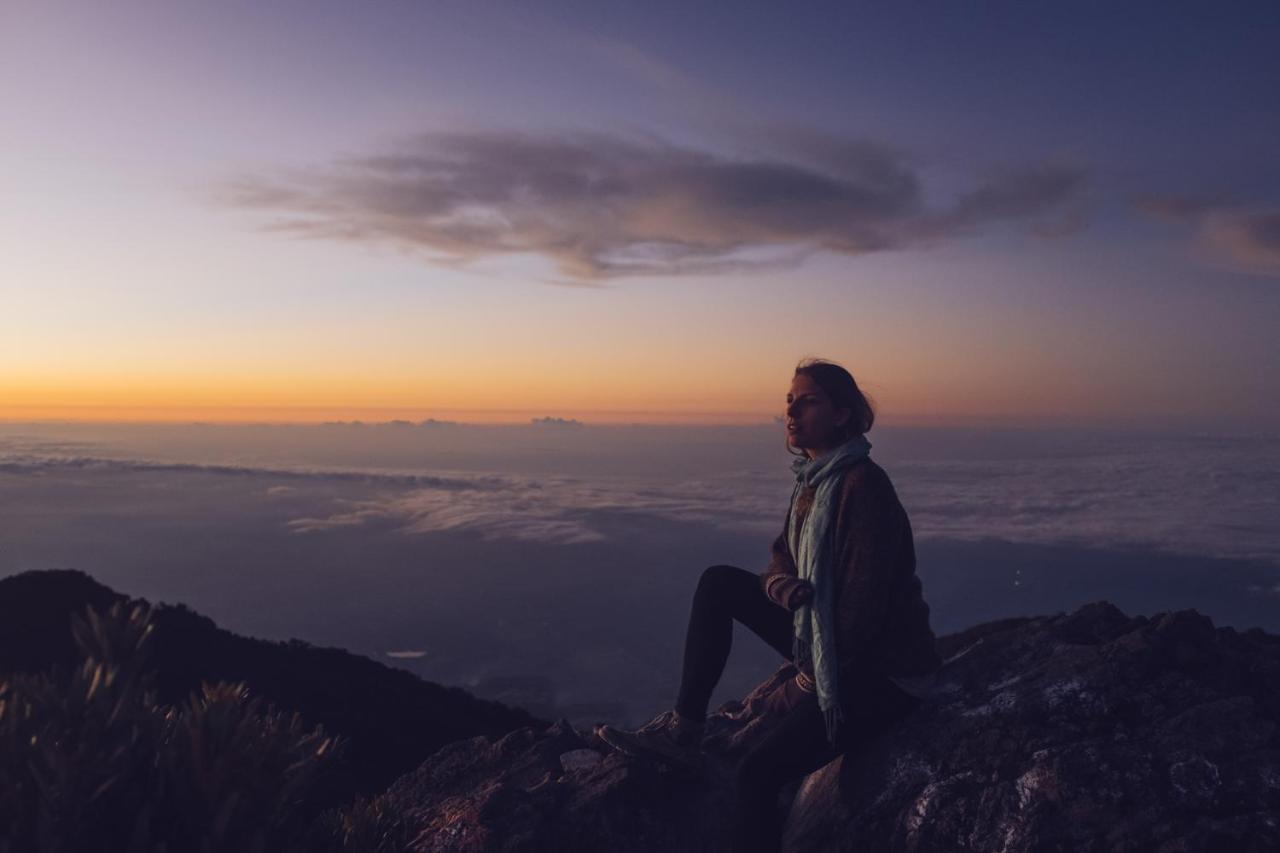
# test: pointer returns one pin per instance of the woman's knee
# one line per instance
(721, 575)
(716, 580)
(718, 575)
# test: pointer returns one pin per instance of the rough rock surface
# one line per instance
(1088, 731)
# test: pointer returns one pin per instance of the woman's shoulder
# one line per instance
(867, 480)
(866, 473)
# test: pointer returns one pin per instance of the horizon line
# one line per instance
(406, 416)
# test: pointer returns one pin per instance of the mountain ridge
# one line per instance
(391, 718)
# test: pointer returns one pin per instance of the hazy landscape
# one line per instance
(552, 564)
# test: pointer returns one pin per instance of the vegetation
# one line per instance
(89, 760)
(390, 719)
(376, 825)
(127, 727)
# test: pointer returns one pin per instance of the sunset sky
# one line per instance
(304, 211)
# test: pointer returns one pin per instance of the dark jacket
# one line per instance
(881, 614)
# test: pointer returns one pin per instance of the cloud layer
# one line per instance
(1191, 495)
(564, 511)
(601, 206)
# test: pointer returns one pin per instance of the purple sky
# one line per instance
(639, 211)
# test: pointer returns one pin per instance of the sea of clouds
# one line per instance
(567, 553)
(1190, 494)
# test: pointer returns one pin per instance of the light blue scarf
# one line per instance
(813, 550)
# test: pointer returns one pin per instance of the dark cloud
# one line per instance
(601, 206)
(1176, 208)
(1244, 236)
(1250, 238)
(1018, 194)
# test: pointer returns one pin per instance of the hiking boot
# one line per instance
(667, 736)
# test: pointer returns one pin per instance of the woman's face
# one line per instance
(813, 424)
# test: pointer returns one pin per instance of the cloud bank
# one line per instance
(1184, 494)
(601, 206)
(564, 511)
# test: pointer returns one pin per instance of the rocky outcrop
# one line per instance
(1088, 731)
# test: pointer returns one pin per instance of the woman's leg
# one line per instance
(725, 593)
(798, 746)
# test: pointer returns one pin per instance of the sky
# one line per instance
(1013, 214)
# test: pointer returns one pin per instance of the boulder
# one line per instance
(1088, 731)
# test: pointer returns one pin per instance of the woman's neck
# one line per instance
(815, 452)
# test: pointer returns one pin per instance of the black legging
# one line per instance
(798, 744)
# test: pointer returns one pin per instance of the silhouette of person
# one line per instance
(840, 599)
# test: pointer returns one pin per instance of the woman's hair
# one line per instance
(839, 385)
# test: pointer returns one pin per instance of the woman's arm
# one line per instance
(780, 581)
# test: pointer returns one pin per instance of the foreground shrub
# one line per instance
(375, 825)
(89, 761)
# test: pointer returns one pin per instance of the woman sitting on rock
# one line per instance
(840, 599)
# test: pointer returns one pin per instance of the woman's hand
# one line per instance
(801, 595)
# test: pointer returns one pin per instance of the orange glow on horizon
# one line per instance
(304, 415)
(321, 414)
(658, 395)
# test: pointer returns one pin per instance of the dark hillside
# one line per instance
(391, 718)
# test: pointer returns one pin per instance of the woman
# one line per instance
(840, 599)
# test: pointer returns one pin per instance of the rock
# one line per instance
(516, 794)
(579, 759)
(1082, 732)
(1087, 731)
